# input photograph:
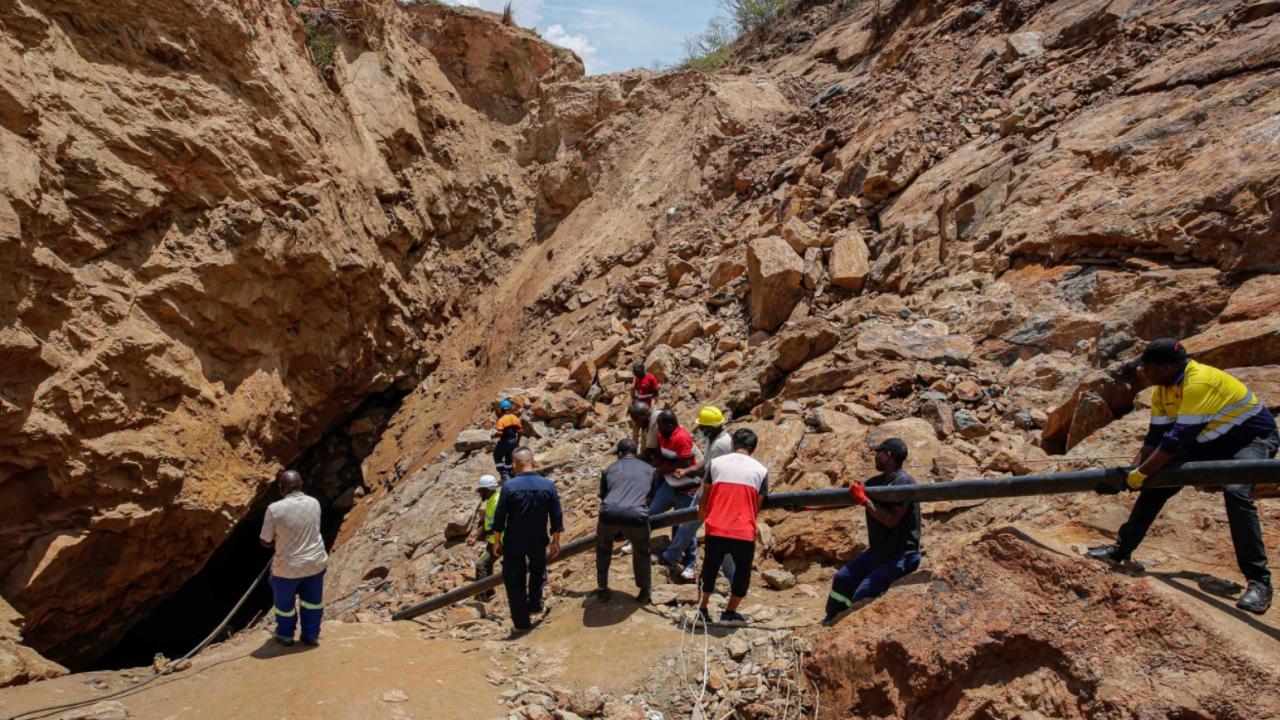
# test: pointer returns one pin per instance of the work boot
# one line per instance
(604, 594)
(1257, 599)
(703, 617)
(644, 597)
(285, 641)
(731, 618)
(311, 642)
(1108, 553)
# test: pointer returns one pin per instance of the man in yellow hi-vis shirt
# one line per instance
(489, 492)
(1201, 413)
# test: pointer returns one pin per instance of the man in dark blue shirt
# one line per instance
(529, 502)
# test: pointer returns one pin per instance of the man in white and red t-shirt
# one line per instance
(734, 489)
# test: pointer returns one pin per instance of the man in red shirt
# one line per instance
(735, 487)
(675, 451)
(645, 387)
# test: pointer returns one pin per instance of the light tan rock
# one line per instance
(850, 262)
(777, 276)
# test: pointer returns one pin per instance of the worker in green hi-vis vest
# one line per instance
(489, 491)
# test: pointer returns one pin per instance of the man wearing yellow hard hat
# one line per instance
(681, 556)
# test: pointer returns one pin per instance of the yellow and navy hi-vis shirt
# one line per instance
(509, 426)
(1205, 404)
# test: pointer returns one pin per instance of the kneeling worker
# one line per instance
(626, 489)
(893, 536)
(729, 503)
(1200, 413)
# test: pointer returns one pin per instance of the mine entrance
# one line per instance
(331, 473)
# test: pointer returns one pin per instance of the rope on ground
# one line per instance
(163, 671)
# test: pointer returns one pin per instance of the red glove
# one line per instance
(858, 493)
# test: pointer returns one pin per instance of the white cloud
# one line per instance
(580, 44)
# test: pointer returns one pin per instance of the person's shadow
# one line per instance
(272, 649)
(603, 614)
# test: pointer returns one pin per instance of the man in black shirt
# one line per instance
(893, 536)
(626, 489)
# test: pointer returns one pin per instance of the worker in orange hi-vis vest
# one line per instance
(507, 437)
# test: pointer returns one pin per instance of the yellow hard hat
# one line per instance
(710, 416)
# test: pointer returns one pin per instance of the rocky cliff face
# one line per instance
(215, 250)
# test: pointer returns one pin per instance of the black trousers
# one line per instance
(743, 553)
(638, 536)
(502, 451)
(1242, 514)
(524, 575)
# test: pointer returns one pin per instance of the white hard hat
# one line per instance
(487, 482)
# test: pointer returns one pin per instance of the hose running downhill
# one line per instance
(163, 671)
(1237, 472)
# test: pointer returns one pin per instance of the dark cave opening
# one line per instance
(331, 471)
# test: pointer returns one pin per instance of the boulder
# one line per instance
(850, 261)
(812, 268)
(661, 362)
(556, 378)
(821, 376)
(588, 702)
(105, 710)
(20, 664)
(606, 349)
(779, 579)
(803, 340)
(677, 269)
(1117, 394)
(1022, 45)
(938, 415)
(582, 374)
(884, 340)
(777, 282)
(474, 439)
(778, 442)
(1092, 414)
(725, 272)
(1254, 299)
(459, 524)
(800, 236)
(1019, 459)
(1264, 382)
(968, 426)
(829, 420)
(562, 404)
(677, 327)
(1238, 344)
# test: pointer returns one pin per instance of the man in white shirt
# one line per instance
(292, 527)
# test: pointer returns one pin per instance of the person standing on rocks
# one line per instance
(893, 536)
(626, 489)
(732, 493)
(507, 437)
(644, 388)
(675, 451)
(1200, 413)
(292, 528)
(710, 424)
(527, 505)
(489, 492)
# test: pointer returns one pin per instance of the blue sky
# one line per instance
(612, 36)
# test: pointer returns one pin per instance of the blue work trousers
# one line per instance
(666, 499)
(303, 595)
(866, 576)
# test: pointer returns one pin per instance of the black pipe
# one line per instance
(1233, 472)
